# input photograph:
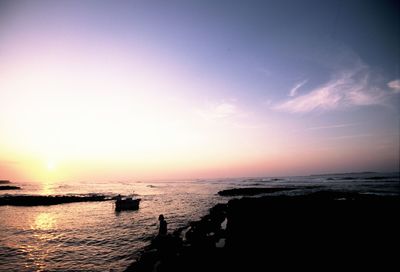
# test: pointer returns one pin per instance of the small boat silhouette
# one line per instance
(127, 204)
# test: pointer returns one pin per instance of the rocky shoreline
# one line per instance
(38, 200)
(314, 231)
(9, 187)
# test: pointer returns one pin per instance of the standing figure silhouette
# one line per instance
(163, 225)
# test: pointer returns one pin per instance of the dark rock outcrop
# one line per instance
(9, 187)
(314, 231)
(331, 227)
(37, 200)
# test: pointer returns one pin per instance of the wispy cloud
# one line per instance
(293, 91)
(345, 137)
(224, 110)
(331, 126)
(346, 88)
(394, 85)
(218, 111)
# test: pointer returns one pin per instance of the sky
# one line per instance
(141, 90)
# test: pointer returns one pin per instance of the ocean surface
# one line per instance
(91, 236)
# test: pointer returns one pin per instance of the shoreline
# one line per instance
(9, 187)
(40, 200)
(249, 234)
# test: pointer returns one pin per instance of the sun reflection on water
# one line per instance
(36, 250)
(47, 188)
(44, 221)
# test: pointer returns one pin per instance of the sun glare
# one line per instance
(51, 165)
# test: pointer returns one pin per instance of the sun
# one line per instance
(51, 165)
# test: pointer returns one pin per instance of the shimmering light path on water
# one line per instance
(92, 236)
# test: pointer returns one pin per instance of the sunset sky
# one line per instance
(132, 90)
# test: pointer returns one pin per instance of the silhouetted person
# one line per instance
(118, 198)
(163, 226)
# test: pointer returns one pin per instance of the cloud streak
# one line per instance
(331, 126)
(345, 137)
(394, 85)
(345, 89)
(293, 91)
(218, 111)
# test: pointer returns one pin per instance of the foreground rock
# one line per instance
(3, 181)
(37, 200)
(9, 187)
(337, 229)
(316, 231)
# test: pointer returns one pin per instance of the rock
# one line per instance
(288, 232)
(9, 187)
(36, 200)
(293, 232)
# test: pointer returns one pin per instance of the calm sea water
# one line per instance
(91, 236)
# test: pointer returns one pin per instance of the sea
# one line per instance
(92, 236)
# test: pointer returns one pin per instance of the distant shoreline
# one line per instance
(347, 173)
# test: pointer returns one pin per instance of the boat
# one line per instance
(127, 204)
